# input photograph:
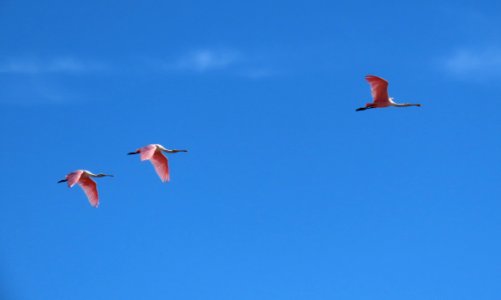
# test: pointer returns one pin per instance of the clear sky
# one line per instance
(287, 192)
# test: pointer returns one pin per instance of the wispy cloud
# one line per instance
(32, 66)
(468, 63)
(205, 60)
(56, 80)
(36, 81)
(35, 90)
(223, 60)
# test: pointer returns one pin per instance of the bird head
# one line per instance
(161, 147)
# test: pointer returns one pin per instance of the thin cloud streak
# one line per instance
(34, 91)
(474, 64)
(62, 65)
(34, 81)
(207, 60)
(211, 60)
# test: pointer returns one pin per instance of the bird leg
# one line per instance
(364, 108)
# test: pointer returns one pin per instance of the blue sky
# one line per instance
(287, 192)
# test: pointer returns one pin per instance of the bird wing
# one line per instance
(147, 152)
(90, 189)
(161, 165)
(74, 177)
(379, 88)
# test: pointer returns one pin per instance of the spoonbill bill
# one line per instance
(154, 153)
(84, 180)
(379, 90)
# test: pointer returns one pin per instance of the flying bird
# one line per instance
(84, 180)
(153, 152)
(379, 90)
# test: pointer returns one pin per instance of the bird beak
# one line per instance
(62, 180)
(132, 153)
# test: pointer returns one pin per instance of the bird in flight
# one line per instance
(84, 180)
(153, 152)
(379, 90)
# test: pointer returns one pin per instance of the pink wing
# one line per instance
(379, 88)
(161, 165)
(74, 177)
(147, 152)
(90, 189)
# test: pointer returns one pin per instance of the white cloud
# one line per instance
(30, 66)
(465, 63)
(207, 60)
(32, 80)
(35, 90)
(231, 61)
(35, 81)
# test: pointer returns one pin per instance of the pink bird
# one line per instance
(83, 178)
(154, 153)
(379, 90)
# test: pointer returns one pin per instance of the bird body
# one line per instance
(153, 152)
(84, 180)
(379, 91)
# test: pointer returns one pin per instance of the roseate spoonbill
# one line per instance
(83, 178)
(379, 90)
(153, 152)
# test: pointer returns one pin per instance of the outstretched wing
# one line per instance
(74, 177)
(161, 165)
(379, 88)
(90, 189)
(147, 152)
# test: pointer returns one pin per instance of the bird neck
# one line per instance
(101, 175)
(405, 104)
